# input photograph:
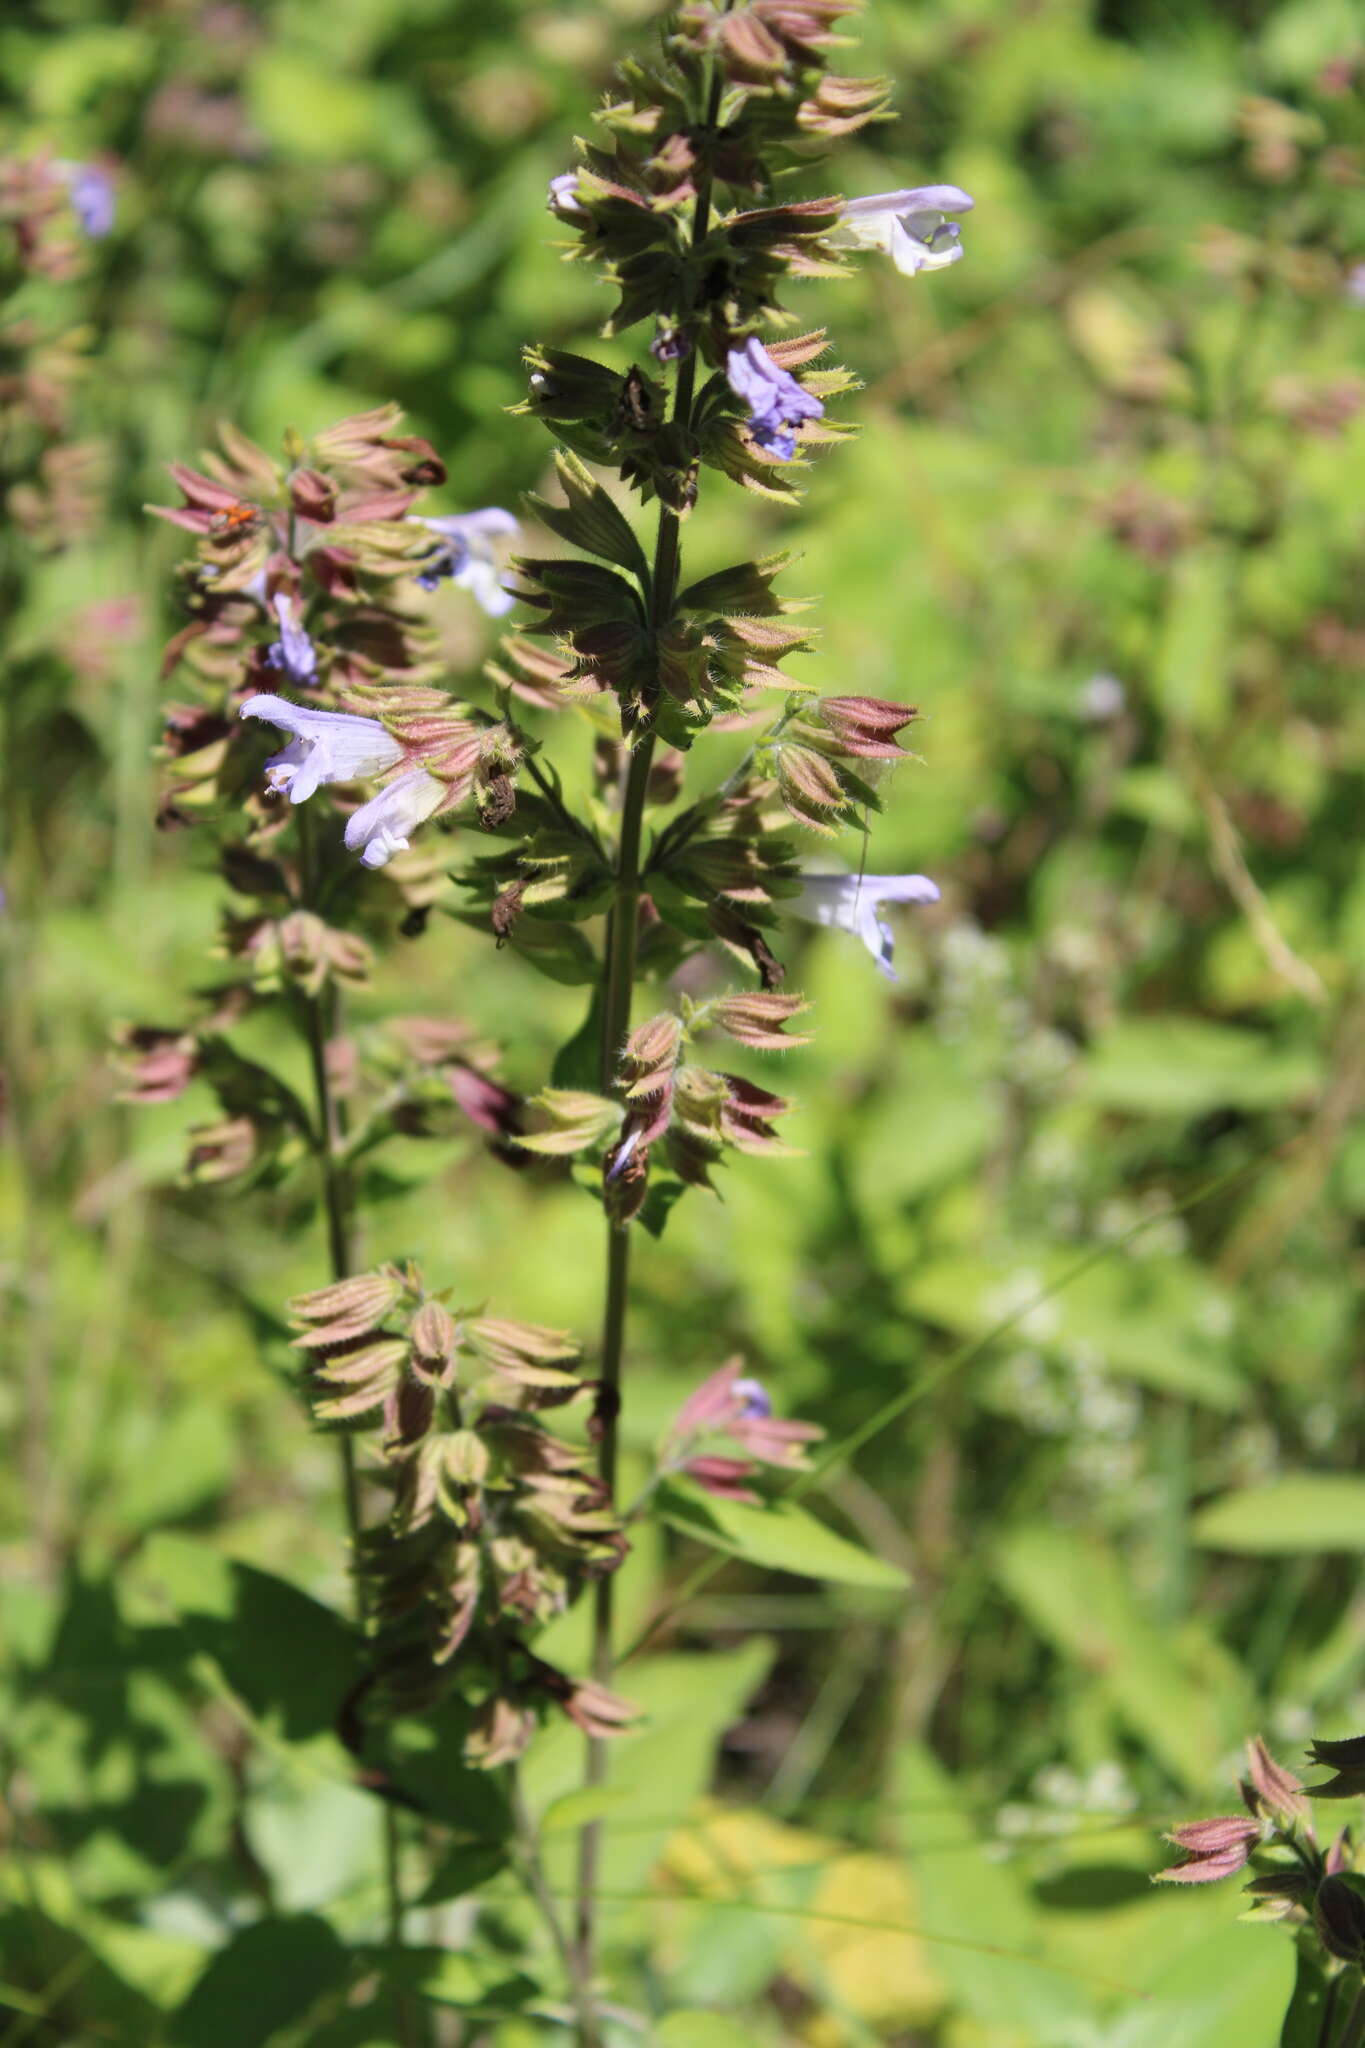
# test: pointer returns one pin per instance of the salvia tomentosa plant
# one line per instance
(1318, 1892)
(478, 1453)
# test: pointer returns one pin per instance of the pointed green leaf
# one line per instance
(780, 1535)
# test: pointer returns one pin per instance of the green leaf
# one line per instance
(1156, 1321)
(702, 2030)
(1190, 678)
(780, 1535)
(475, 1983)
(177, 1464)
(744, 587)
(659, 1768)
(290, 1659)
(591, 519)
(970, 1896)
(462, 1870)
(578, 1063)
(1303, 2022)
(1229, 1990)
(1081, 1599)
(1303, 1512)
(266, 1978)
(1183, 1066)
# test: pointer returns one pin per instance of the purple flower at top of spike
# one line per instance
(777, 403)
(911, 227)
(326, 746)
(850, 903)
(92, 198)
(755, 1403)
(293, 653)
(467, 555)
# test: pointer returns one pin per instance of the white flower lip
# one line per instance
(327, 746)
(381, 828)
(850, 903)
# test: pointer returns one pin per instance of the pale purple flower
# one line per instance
(756, 1406)
(1101, 698)
(850, 903)
(777, 403)
(380, 828)
(327, 746)
(911, 227)
(293, 653)
(1355, 284)
(467, 554)
(92, 196)
(563, 200)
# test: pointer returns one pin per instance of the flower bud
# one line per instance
(1212, 1849)
(345, 1310)
(156, 1065)
(651, 1053)
(313, 495)
(434, 1338)
(810, 788)
(757, 1019)
(865, 727)
(464, 1458)
(1270, 1789)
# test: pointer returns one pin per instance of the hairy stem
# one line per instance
(319, 1026)
(618, 987)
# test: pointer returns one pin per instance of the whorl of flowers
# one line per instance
(495, 1522)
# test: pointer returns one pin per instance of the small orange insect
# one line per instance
(236, 520)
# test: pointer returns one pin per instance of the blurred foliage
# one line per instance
(1084, 1194)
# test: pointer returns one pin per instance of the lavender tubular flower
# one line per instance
(327, 746)
(777, 403)
(467, 555)
(850, 903)
(91, 192)
(293, 653)
(911, 227)
(381, 828)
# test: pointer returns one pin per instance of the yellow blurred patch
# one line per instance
(851, 1946)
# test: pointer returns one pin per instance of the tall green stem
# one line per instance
(617, 990)
(1353, 2033)
(319, 1025)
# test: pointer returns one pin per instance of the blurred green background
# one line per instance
(1103, 524)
